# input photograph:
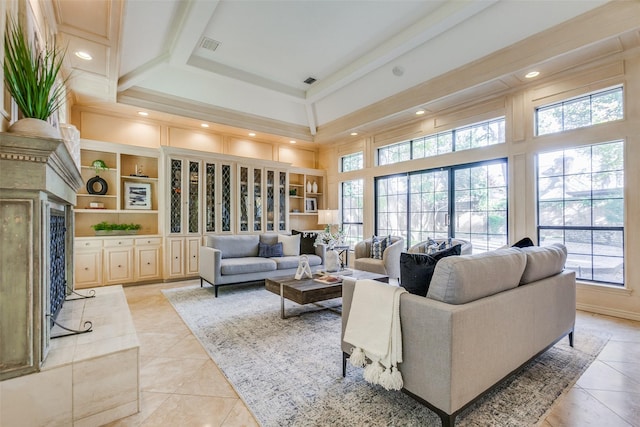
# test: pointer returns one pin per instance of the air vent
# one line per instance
(209, 44)
(310, 80)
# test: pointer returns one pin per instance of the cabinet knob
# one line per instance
(194, 256)
(176, 257)
(119, 266)
(148, 263)
(119, 243)
(86, 268)
(87, 244)
(149, 241)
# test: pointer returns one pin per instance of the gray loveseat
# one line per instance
(484, 317)
(231, 259)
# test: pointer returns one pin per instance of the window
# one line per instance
(395, 153)
(463, 138)
(420, 204)
(352, 162)
(352, 211)
(600, 107)
(581, 204)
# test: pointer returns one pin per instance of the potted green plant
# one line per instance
(106, 228)
(31, 77)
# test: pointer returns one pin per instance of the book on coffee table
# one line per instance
(328, 279)
(343, 272)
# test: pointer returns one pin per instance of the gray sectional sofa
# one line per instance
(232, 259)
(484, 316)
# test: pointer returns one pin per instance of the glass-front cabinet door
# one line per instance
(184, 196)
(217, 197)
(276, 200)
(250, 205)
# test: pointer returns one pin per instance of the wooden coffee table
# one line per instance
(308, 291)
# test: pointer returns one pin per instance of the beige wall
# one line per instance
(520, 150)
(109, 126)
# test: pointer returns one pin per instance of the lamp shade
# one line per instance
(328, 216)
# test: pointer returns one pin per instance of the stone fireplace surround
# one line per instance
(87, 379)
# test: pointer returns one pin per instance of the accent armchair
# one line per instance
(389, 265)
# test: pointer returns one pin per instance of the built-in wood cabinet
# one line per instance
(130, 185)
(117, 260)
(88, 265)
(306, 197)
(180, 196)
(148, 260)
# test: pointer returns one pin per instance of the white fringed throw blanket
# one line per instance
(373, 328)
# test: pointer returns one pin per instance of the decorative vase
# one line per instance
(308, 186)
(34, 127)
(332, 261)
(98, 182)
(315, 187)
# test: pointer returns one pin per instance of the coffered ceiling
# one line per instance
(244, 63)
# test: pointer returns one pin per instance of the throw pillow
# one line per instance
(416, 270)
(523, 243)
(267, 251)
(433, 246)
(290, 244)
(378, 245)
(307, 241)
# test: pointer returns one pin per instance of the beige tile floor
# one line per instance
(181, 386)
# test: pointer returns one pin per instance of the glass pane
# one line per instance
(581, 264)
(577, 113)
(551, 213)
(608, 157)
(270, 201)
(577, 213)
(244, 199)
(549, 119)
(226, 198)
(176, 196)
(549, 237)
(282, 201)
(550, 188)
(608, 213)
(194, 182)
(257, 200)
(210, 197)
(607, 106)
(445, 142)
(577, 186)
(577, 160)
(463, 139)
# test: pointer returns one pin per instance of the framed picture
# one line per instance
(310, 205)
(137, 195)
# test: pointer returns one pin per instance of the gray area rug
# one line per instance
(289, 372)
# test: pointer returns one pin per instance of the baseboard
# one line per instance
(630, 315)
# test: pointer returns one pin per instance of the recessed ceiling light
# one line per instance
(419, 112)
(83, 55)
(143, 113)
(354, 133)
(532, 74)
(252, 134)
(292, 142)
(204, 125)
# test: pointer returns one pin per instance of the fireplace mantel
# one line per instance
(37, 176)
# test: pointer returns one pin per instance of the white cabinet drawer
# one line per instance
(88, 244)
(115, 243)
(146, 241)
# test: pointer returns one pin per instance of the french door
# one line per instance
(464, 201)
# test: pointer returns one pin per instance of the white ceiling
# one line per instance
(148, 52)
